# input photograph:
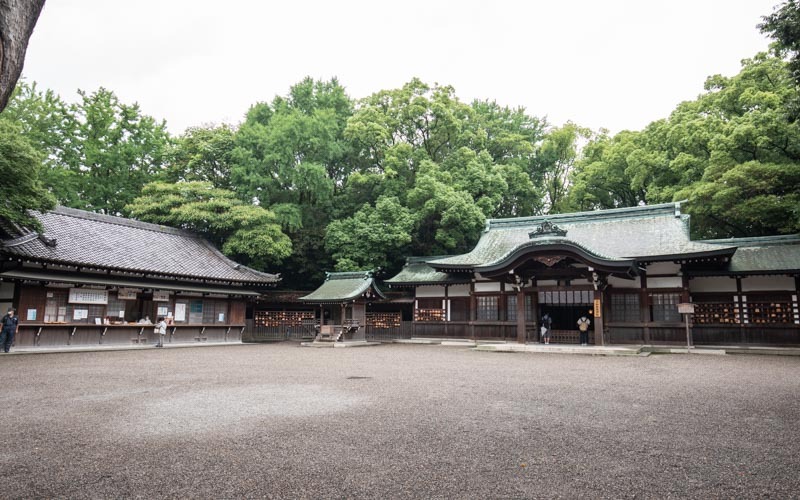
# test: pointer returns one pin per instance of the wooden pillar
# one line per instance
(520, 315)
(644, 307)
(598, 318)
(473, 310)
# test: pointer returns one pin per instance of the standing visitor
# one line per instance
(9, 324)
(583, 329)
(161, 331)
(547, 322)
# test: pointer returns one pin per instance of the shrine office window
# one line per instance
(488, 308)
(664, 306)
(511, 308)
(625, 307)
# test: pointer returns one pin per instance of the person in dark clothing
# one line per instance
(9, 325)
(547, 323)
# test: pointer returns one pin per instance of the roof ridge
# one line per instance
(349, 275)
(121, 221)
(672, 209)
(781, 239)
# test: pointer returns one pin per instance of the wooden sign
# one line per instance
(598, 310)
(686, 308)
(160, 296)
(127, 293)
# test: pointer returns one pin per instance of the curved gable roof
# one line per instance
(655, 232)
(343, 287)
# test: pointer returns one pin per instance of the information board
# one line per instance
(87, 296)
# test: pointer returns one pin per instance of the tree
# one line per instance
(374, 237)
(555, 159)
(202, 154)
(244, 232)
(51, 127)
(733, 153)
(119, 151)
(783, 25)
(21, 189)
(17, 20)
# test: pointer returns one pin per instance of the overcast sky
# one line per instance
(618, 64)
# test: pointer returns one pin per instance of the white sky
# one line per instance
(600, 63)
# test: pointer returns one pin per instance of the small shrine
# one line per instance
(342, 307)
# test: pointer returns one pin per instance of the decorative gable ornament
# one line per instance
(545, 228)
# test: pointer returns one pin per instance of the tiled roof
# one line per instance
(417, 270)
(77, 238)
(343, 287)
(765, 254)
(642, 233)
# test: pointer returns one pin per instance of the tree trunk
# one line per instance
(17, 19)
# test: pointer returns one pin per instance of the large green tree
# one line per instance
(733, 153)
(243, 231)
(20, 188)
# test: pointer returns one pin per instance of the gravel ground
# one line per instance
(397, 421)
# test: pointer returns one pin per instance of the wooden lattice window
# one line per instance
(664, 306)
(511, 307)
(55, 310)
(487, 307)
(625, 307)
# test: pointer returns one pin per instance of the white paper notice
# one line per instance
(31, 314)
(180, 312)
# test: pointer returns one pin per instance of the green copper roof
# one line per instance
(767, 254)
(416, 270)
(641, 233)
(343, 287)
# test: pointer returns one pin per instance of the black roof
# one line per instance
(93, 241)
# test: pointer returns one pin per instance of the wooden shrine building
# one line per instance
(626, 269)
(342, 301)
(91, 279)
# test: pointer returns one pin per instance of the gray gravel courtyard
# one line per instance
(397, 421)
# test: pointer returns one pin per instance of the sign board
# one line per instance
(686, 308)
(87, 296)
(31, 314)
(127, 293)
(598, 310)
(180, 311)
(160, 296)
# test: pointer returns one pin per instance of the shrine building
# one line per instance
(626, 269)
(91, 279)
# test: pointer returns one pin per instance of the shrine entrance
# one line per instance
(565, 307)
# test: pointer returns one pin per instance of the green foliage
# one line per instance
(202, 154)
(245, 232)
(20, 189)
(733, 153)
(783, 25)
(97, 153)
(374, 237)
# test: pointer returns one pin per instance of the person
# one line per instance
(9, 324)
(583, 329)
(145, 321)
(161, 331)
(547, 323)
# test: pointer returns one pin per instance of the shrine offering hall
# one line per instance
(626, 270)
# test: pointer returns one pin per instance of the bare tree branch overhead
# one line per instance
(17, 20)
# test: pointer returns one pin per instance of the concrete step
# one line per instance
(562, 349)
